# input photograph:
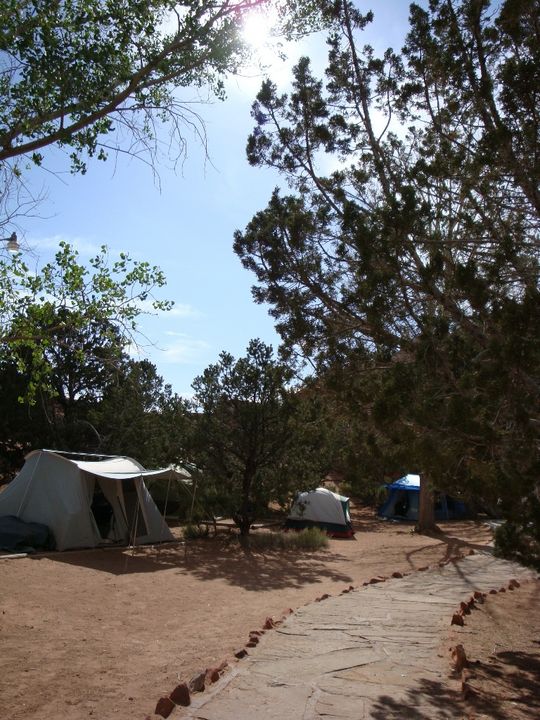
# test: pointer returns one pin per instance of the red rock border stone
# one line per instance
(478, 598)
(459, 660)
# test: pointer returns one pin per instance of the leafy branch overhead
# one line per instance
(72, 73)
(66, 295)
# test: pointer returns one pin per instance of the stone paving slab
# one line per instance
(368, 654)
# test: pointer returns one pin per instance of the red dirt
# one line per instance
(501, 640)
(105, 633)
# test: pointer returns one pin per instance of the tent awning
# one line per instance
(164, 474)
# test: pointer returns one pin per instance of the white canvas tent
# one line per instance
(86, 503)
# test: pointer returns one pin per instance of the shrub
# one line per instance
(308, 539)
(518, 541)
(195, 532)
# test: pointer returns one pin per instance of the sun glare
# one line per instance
(257, 30)
(268, 46)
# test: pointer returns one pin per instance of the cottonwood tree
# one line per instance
(95, 76)
(56, 310)
(78, 365)
(419, 252)
(253, 441)
(89, 77)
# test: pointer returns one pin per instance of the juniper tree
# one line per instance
(255, 440)
(419, 253)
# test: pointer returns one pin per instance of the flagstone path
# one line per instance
(372, 653)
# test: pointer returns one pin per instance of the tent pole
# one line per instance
(193, 502)
(139, 510)
(166, 503)
(134, 536)
(163, 517)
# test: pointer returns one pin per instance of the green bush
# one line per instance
(309, 539)
(195, 532)
(518, 541)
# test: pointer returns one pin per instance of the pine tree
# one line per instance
(419, 254)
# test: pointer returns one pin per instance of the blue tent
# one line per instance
(403, 500)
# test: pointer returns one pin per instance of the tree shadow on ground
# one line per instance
(509, 685)
(215, 559)
(364, 518)
(267, 570)
(425, 701)
(475, 535)
(452, 544)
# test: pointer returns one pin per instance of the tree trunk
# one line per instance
(426, 508)
(244, 517)
(244, 523)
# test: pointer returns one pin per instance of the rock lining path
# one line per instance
(372, 653)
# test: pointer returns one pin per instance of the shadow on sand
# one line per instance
(213, 559)
(427, 700)
(507, 686)
(509, 677)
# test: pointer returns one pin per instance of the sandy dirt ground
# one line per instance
(105, 633)
(501, 640)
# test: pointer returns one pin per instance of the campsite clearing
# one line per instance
(105, 633)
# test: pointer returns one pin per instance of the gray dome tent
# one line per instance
(321, 508)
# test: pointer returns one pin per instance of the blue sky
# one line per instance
(186, 225)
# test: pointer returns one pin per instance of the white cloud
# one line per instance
(184, 351)
(179, 310)
(178, 349)
(184, 310)
(83, 246)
